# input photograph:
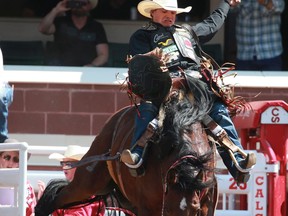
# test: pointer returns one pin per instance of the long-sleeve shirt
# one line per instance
(155, 35)
(258, 30)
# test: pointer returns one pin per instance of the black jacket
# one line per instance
(155, 35)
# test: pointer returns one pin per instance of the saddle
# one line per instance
(219, 134)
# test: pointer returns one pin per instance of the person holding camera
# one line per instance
(78, 39)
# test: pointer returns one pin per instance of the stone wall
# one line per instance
(71, 109)
(82, 109)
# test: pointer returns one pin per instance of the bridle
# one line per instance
(200, 193)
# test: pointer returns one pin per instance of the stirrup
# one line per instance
(128, 155)
(135, 166)
(250, 163)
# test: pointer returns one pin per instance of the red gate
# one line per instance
(265, 128)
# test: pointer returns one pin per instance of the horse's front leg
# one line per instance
(85, 184)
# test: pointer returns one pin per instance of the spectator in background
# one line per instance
(6, 98)
(258, 35)
(73, 154)
(10, 159)
(284, 31)
(78, 39)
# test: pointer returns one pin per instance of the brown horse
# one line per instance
(179, 165)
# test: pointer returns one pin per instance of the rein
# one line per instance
(95, 159)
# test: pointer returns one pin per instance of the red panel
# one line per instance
(276, 196)
(251, 118)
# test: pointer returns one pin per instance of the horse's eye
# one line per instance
(172, 177)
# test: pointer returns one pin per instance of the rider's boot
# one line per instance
(133, 158)
(241, 174)
(238, 162)
(246, 164)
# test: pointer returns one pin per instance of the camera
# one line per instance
(75, 4)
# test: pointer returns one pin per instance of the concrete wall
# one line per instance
(71, 109)
(77, 109)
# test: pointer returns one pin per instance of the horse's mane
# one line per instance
(180, 113)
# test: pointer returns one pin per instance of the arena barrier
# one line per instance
(15, 178)
(227, 186)
(254, 191)
(264, 127)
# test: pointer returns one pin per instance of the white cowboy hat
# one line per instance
(74, 152)
(144, 7)
(93, 3)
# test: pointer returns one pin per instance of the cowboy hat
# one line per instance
(144, 7)
(93, 3)
(74, 152)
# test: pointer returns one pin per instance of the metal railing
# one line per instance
(15, 178)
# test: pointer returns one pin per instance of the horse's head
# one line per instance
(186, 153)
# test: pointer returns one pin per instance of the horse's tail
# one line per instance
(46, 204)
